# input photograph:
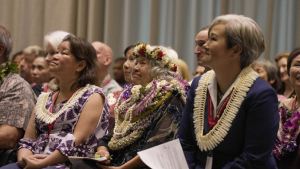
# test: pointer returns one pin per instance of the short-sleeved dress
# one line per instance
(61, 136)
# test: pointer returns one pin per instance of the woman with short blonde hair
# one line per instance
(230, 119)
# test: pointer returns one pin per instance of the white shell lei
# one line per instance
(44, 115)
(217, 134)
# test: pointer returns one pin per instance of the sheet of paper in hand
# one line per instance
(167, 156)
(73, 159)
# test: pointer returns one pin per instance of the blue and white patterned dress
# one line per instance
(61, 136)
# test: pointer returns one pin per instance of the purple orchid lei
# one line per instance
(152, 93)
(287, 133)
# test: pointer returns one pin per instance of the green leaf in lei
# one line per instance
(9, 68)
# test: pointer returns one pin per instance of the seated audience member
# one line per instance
(183, 70)
(287, 149)
(200, 40)
(269, 72)
(40, 74)
(118, 71)
(16, 97)
(231, 117)
(147, 114)
(58, 124)
(127, 70)
(52, 41)
(199, 71)
(113, 97)
(27, 58)
(17, 57)
(128, 51)
(286, 89)
(104, 57)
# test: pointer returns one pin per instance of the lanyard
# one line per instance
(45, 88)
(106, 82)
(50, 126)
(212, 122)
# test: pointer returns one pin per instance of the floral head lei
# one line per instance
(156, 53)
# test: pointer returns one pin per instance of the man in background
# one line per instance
(16, 98)
(104, 57)
(118, 71)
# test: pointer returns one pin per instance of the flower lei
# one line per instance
(217, 134)
(156, 53)
(288, 131)
(7, 69)
(137, 104)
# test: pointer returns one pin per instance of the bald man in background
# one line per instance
(104, 57)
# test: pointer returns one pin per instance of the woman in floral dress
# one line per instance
(147, 113)
(287, 149)
(58, 125)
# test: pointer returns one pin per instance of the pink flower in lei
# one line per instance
(288, 132)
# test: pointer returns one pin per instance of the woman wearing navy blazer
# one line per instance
(231, 117)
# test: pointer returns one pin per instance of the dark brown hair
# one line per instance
(292, 56)
(83, 50)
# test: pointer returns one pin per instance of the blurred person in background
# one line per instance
(16, 57)
(118, 71)
(27, 58)
(269, 72)
(286, 89)
(40, 74)
(104, 57)
(199, 71)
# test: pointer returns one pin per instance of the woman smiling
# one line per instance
(58, 125)
(230, 119)
(287, 149)
(147, 113)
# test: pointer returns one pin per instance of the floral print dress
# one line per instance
(61, 136)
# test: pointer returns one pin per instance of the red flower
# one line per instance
(174, 69)
(160, 55)
(142, 51)
(133, 54)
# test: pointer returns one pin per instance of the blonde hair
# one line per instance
(244, 31)
(34, 50)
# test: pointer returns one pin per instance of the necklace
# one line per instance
(136, 106)
(45, 115)
(288, 131)
(217, 134)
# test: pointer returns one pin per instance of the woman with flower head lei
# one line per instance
(148, 113)
(231, 118)
(287, 149)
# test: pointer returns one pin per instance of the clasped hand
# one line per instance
(34, 161)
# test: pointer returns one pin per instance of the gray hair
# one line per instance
(271, 69)
(244, 31)
(157, 72)
(7, 41)
(55, 38)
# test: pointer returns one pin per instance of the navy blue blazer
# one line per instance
(250, 139)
